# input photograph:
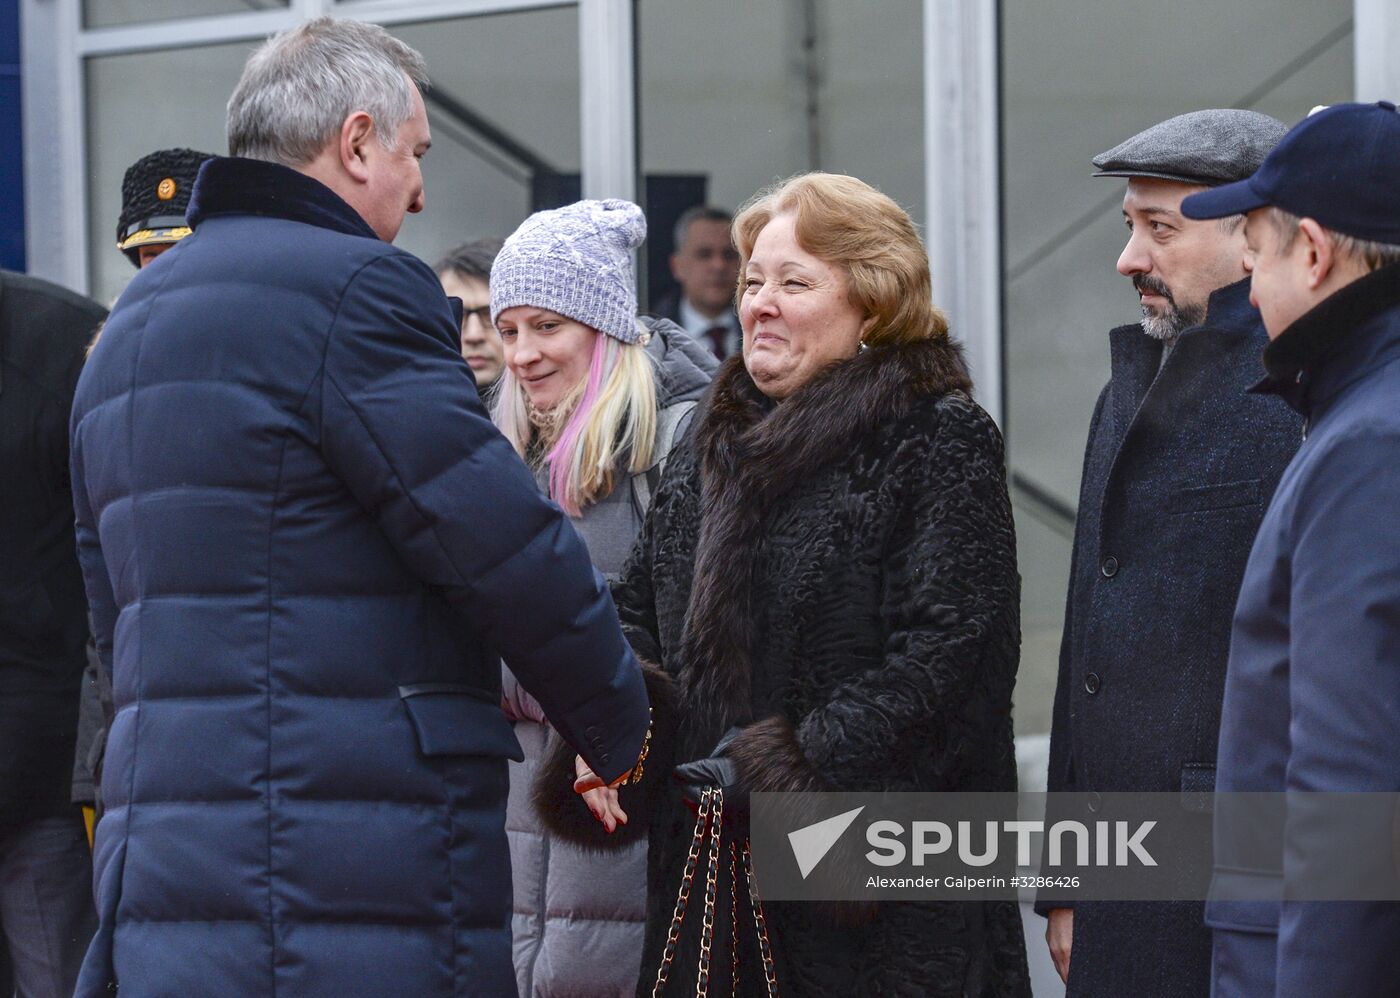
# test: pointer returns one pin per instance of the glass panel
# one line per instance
(504, 97)
(1079, 77)
(130, 114)
(491, 143)
(108, 13)
(735, 95)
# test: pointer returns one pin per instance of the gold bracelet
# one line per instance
(635, 776)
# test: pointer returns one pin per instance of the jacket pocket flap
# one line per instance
(1226, 495)
(451, 722)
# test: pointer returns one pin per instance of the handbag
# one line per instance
(707, 834)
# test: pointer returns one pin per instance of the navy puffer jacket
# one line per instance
(305, 545)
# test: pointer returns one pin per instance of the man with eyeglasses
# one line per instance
(465, 274)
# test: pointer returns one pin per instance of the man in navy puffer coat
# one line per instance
(305, 546)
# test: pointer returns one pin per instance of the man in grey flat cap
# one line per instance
(1179, 467)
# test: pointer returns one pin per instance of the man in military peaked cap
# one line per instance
(155, 194)
(1179, 466)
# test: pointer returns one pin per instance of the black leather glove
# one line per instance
(717, 770)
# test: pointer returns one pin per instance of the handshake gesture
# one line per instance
(717, 770)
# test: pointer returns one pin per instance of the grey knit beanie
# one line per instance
(577, 261)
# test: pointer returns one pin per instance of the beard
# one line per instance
(1167, 322)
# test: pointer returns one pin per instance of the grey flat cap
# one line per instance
(1203, 147)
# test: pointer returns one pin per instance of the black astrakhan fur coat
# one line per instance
(836, 573)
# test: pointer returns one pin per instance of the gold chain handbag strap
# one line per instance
(707, 922)
(708, 825)
(673, 934)
(734, 917)
(765, 948)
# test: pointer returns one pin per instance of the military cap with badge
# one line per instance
(155, 193)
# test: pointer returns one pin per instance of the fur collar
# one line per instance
(752, 453)
(229, 185)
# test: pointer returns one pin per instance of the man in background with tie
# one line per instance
(706, 268)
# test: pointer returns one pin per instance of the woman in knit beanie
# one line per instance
(592, 397)
(579, 397)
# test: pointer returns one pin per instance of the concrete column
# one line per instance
(1377, 38)
(962, 150)
(55, 156)
(607, 99)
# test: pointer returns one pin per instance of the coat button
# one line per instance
(1091, 683)
(1109, 567)
(1095, 801)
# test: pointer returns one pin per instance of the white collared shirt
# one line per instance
(696, 324)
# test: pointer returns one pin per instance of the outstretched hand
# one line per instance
(601, 798)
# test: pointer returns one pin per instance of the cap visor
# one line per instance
(1130, 173)
(1221, 202)
(149, 237)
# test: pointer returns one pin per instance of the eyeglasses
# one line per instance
(482, 313)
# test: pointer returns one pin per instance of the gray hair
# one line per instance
(1372, 255)
(298, 88)
(699, 213)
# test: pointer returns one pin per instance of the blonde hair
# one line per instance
(846, 222)
(614, 419)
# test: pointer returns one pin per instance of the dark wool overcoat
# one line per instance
(305, 546)
(1312, 703)
(1180, 464)
(44, 331)
(836, 573)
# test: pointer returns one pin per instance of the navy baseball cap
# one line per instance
(1338, 167)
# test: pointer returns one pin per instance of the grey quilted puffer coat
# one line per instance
(578, 916)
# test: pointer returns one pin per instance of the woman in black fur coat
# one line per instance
(829, 568)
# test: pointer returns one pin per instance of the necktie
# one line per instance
(717, 335)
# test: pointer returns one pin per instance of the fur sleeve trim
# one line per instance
(563, 812)
(770, 759)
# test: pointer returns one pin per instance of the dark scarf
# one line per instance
(752, 453)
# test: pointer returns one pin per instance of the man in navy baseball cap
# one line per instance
(1332, 179)
(1313, 682)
